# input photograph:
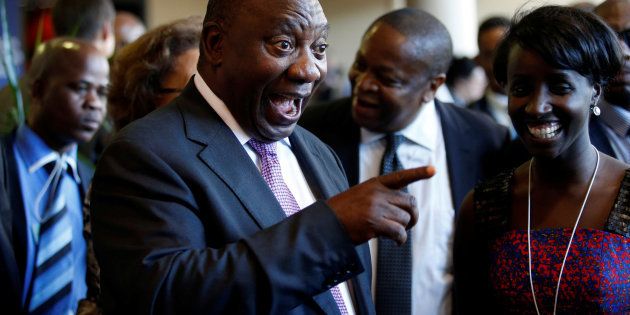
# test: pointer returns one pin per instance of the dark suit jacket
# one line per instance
(474, 143)
(14, 221)
(598, 136)
(10, 284)
(185, 224)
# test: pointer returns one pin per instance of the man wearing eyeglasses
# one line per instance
(610, 131)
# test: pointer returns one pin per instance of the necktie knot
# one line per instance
(393, 142)
(264, 149)
(390, 161)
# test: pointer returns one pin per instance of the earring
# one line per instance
(595, 109)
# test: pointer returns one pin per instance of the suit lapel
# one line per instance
(455, 131)
(318, 175)
(224, 156)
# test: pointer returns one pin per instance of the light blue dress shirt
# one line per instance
(30, 153)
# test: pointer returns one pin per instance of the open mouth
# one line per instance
(286, 107)
(545, 130)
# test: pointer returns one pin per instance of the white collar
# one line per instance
(222, 110)
(422, 130)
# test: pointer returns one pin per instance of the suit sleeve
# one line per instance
(163, 251)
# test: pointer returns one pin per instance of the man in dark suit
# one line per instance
(610, 131)
(494, 101)
(9, 275)
(401, 62)
(196, 207)
(46, 183)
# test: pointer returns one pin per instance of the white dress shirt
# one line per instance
(291, 171)
(432, 274)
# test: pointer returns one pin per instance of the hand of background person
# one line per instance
(378, 207)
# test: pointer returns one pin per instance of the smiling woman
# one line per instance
(537, 237)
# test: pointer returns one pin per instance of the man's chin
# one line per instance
(272, 133)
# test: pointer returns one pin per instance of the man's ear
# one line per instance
(434, 84)
(212, 38)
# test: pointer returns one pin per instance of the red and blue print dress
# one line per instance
(596, 278)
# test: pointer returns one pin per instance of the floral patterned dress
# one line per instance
(596, 278)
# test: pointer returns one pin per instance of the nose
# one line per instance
(539, 103)
(93, 100)
(364, 82)
(307, 68)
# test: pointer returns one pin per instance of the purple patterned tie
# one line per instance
(272, 174)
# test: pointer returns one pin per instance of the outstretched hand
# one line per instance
(378, 207)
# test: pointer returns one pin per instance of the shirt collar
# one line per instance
(422, 130)
(222, 110)
(617, 118)
(36, 153)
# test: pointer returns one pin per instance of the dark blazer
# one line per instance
(481, 105)
(184, 223)
(474, 143)
(598, 136)
(14, 220)
(10, 284)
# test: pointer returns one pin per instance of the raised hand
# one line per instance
(378, 207)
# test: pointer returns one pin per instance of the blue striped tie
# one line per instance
(51, 288)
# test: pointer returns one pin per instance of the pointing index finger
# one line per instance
(400, 179)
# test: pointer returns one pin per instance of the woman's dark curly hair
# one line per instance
(139, 67)
(566, 38)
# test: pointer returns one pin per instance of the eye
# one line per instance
(561, 88)
(79, 87)
(358, 65)
(519, 89)
(284, 45)
(389, 81)
(103, 91)
(320, 49)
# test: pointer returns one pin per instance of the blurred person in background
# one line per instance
(494, 101)
(127, 27)
(466, 81)
(151, 71)
(610, 131)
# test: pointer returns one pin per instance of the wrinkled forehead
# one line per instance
(304, 14)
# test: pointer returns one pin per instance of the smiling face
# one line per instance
(389, 83)
(549, 107)
(268, 61)
(70, 101)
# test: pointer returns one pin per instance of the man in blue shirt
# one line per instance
(68, 82)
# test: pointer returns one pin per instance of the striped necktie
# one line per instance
(271, 172)
(393, 274)
(51, 289)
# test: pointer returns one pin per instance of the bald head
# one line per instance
(68, 81)
(54, 54)
(616, 13)
(429, 37)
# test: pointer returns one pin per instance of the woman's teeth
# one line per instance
(545, 131)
